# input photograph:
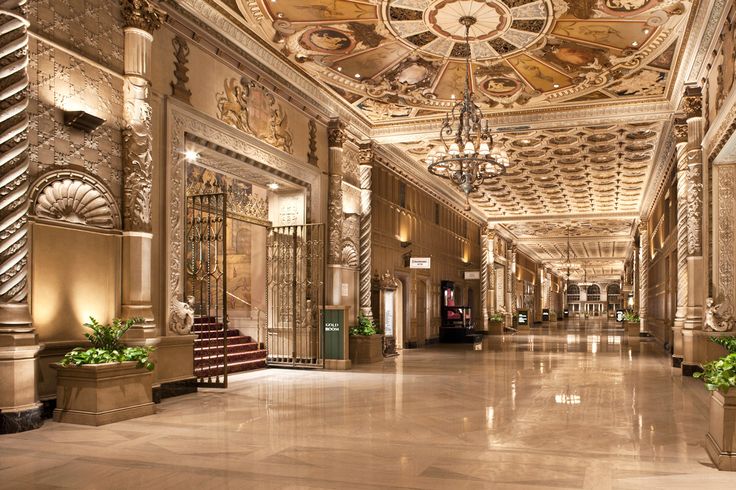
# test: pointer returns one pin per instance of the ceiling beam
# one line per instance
(562, 218)
(574, 239)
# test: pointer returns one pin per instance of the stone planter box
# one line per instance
(631, 329)
(495, 328)
(720, 441)
(98, 394)
(365, 349)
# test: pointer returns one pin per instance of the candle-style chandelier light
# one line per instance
(470, 158)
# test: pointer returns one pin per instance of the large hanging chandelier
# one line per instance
(470, 158)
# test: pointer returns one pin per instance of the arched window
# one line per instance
(594, 292)
(573, 292)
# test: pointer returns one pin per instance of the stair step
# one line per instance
(204, 350)
(217, 357)
(235, 367)
(231, 341)
(215, 333)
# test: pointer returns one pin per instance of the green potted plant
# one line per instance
(631, 323)
(107, 382)
(720, 379)
(365, 343)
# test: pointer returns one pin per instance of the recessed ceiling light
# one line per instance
(273, 186)
(357, 75)
(339, 68)
(191, 155)
(556, 85)
(635, 43)
(646, 31)
(452, 96)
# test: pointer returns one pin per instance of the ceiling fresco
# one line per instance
(595, 169)
(394, 59)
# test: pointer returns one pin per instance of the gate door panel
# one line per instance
(206, 281)
(295, 295)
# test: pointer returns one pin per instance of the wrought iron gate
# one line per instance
(206, 282)
(295, 295)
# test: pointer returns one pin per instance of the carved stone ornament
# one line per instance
(713, 321)
(692, 102)
(252, 108)
(75, 197)
(182, 316)
(312, 155)
(350, 256)
(680, 129)
(336, 134)
(142, 14)
(365, 154)
(387, 281)
(137, 160)
(179, 84)
(694, 208)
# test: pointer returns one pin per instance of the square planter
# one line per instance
(98, 394)
(495, 328)
(721, 439)
(366, 349)
(631, 329)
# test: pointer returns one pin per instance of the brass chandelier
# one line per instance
(471, 158)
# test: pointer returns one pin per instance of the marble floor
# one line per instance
(576, 406)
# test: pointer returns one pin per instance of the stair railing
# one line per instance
(258, 321)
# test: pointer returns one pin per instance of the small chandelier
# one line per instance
(471, 158)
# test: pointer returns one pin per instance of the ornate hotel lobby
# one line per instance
(575, 406)
(368, 244)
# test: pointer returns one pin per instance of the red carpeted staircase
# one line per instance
(243, 353)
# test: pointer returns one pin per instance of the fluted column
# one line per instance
(141, 19)
(336, 139)
(366, 167)
(484, 278)
(19, 406)
(696, 270)
(644, 259)
(682, 234)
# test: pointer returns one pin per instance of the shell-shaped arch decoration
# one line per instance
(75, 197)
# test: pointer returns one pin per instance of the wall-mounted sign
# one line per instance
(344, 290)
(388, 313)
(523, 317)
(619, 315)
(420, 262)
(472, 274)
(545, 315)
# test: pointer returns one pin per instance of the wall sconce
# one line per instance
(82, 120)
(405, 244)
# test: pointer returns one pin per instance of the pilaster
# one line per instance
(644, 259)
(484, 252)
(682, 234)
(20, 409)
(336, 139)
(141, 19)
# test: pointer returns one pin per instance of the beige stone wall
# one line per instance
(453, 245)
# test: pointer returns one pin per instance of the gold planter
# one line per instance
(365, 349)
(98, 394)
(721, 439)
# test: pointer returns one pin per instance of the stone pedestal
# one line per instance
(720, 441)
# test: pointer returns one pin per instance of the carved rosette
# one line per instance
(14, 163)
(643, 270)
(141, 14)
(725, 262)
(366, 167)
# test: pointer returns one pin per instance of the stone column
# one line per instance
(484, 278)
(141, 20)
(696, 273)
(682, 283)
(336, 139)
(644, 259)
(512, 281)
(20, 409)
(366, 167)
(491, 258)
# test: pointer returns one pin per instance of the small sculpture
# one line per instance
(182, 316)
(713, 321)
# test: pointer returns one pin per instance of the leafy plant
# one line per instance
(728, 342)
(631, 316)
(719, 374)
(365, 327)
(496, 317)
(107, 346)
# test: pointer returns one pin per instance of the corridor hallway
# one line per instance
(571, 406)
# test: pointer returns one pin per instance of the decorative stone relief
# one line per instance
(74, 197)
(182, 316)
(138, 161)
(350, 160)
(349, 254)
(694, 208)
(179, 87)
(252, 108)
(726, 234)
(312, 155)
(714, 321)
(141, 14)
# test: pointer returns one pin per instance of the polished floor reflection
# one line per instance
(576, 406)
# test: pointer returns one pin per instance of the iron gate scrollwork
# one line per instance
(206, 281)
(295, 296)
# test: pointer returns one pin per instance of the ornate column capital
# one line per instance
(336, 133)
(366, 153)
(142, 14)
(692, 102)
(680, 129)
